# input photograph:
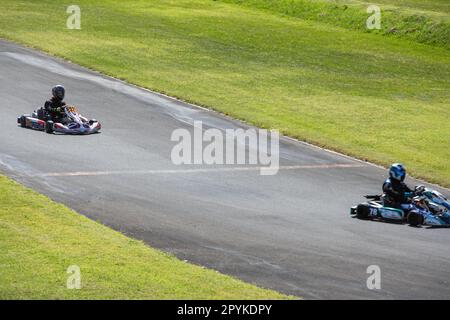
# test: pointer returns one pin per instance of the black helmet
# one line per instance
(58, 92)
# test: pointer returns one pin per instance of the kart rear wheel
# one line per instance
(414, 218)
(40, 114)
(362, 211)
(49, 127)
(22, 121)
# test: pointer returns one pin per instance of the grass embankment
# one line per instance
(385, 99)
(418, 20)
(40, 239)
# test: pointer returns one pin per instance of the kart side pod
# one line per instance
(371, 209)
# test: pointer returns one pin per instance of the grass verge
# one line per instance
(421, 21)
(383, 99)
(40, 239)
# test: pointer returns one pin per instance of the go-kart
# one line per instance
(428, 207)
(71, 122)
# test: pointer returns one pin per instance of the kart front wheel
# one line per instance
(414, 218)
(49, 127)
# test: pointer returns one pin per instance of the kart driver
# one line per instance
(396, 193)
(55, 105)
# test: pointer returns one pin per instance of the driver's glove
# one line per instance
(409, 196)
(419, 189)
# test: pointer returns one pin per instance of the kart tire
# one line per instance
(49, 127)
(22, 121)
(362, 211)
(40, 114)
(414, 218)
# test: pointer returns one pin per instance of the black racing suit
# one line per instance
(54, 109)
(396, 193)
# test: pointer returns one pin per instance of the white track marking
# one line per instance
(174, 171)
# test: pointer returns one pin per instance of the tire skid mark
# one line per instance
(200, 170)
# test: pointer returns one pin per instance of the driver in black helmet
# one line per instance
(55, 105)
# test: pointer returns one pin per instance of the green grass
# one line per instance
(40, 239)
(375, 97)
(418, 20)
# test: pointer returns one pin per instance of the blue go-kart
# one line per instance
(428, 207)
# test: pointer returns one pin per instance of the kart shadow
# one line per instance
(386, 221)
(401, 223)
(59, 133)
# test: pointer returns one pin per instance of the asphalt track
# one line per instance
(290, 232)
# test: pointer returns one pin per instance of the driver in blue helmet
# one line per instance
(396, 193)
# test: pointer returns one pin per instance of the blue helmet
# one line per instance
(397, 172)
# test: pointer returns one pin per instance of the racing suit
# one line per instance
(54, 109)
(397, 194)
